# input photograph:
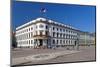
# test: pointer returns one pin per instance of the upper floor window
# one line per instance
(31, 41)
(57, 29)
(46, 27)
(41, 26)
(31, 28)
(60, 29)
(66, 30)
(57, 34)
(63, 30)
(41, 32)
(36, 32)
(53, 34)
(60, 41)
(53, 28)
(36, 26)
(46, 32)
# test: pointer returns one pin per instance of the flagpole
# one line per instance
(43, 11)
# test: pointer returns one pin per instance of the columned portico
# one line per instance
(40, 42)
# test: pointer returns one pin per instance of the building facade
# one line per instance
(47, 33)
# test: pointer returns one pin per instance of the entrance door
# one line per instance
(41, 42)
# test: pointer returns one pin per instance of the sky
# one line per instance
(78, 16)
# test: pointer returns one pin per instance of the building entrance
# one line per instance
(40, 42)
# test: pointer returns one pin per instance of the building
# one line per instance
(47, 33)
(86, 38)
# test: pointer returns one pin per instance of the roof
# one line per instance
(44, 19)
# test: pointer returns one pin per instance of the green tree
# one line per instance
(14, 43)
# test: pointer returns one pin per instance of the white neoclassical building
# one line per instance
(47, 33)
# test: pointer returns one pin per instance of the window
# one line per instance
(63, 30)
(36, 27)
(69, 32)
(63, 41)
(60, 29)
(27, 35)
(66, 41)
(72, 37)
(63, 35)
(36, 32)
(53, 34)
(46, 27)
(60, 35)
(66, 36)
(53, 28)
(66, 30)
(46, 33)
(69, 41)
(41, 32)
(57, 41)
(69, 36)
(41, 26)
(57, 34)
(57, 29)
(60, 41)
(31, 28)
(31, 34)
(53, 41)
(27, 42)
(31, 41)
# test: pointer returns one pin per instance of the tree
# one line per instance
(14, 43)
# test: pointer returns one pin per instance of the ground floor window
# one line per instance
(60, 41)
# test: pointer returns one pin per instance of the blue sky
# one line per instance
(81, 17)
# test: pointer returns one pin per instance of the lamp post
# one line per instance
(77, 44)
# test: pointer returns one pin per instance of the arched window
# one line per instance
(41, 26)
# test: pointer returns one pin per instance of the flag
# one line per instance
(43, 10)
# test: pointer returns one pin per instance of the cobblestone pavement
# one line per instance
(86, 53)
(22, 52)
